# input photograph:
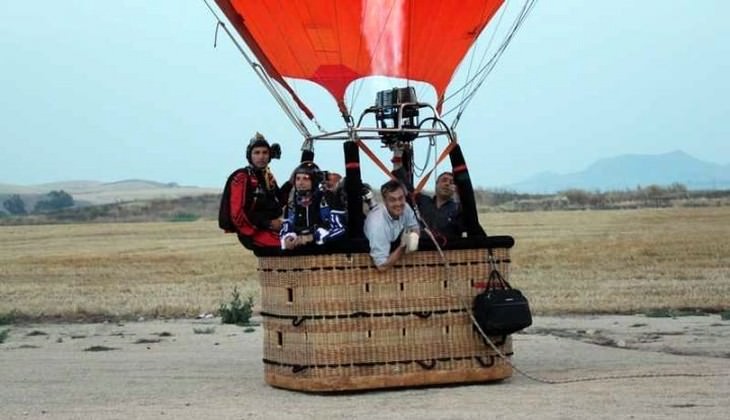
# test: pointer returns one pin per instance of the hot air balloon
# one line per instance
(332, 321)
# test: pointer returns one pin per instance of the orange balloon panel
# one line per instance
(334, 42)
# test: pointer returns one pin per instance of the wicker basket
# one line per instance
(335, 323)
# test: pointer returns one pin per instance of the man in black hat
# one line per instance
(255, 207)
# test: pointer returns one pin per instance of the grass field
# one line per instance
(565, 262)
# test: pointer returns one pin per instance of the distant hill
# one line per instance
(95, 192)
(630, 171)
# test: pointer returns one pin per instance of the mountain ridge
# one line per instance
(629, 171)
(621, 172)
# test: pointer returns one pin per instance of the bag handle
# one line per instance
(496, 280)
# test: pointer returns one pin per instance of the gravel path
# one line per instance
(164, 369)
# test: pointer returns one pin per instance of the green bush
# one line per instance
(54, 200)
(4, 334)
(8, 317)
(15, 205)
(236, 311)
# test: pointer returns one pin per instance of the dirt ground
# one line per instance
(659, 368)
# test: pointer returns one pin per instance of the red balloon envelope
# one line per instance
(334, 42)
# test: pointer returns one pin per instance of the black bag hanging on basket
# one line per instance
(500, 309)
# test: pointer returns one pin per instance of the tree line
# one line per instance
(60, 206)
(575, 199)
(54, 200)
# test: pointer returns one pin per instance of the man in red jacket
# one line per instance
(254, 198)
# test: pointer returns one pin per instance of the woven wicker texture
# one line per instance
(388, 375)
(340, 284)
(336, 320)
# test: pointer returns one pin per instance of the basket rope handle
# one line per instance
(484, 364)
(298, 368)
(427, 365)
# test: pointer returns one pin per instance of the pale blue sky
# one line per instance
(134, 89)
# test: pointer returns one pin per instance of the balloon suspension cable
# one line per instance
(264, 77)
(480, 76)
(431, 150)
(432, 144)
(487, 67)
(502, 12)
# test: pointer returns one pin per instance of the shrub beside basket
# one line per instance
(236, 311)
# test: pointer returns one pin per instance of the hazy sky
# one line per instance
(107, 91)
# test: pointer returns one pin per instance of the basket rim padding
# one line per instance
(360, 245)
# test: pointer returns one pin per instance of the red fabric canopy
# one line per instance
(334, 42)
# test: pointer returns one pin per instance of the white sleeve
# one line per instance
(377, 238)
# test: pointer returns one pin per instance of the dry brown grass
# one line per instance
(120, 270)
(583, 261)
(620, 261)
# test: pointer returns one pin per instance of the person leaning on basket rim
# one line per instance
(392, 221)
